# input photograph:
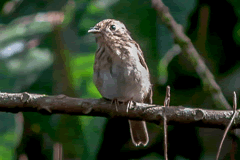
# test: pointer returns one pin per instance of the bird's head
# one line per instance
(110, 29)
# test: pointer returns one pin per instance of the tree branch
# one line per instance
(176, 115)
(191, 54)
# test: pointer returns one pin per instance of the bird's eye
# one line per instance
(113, 27)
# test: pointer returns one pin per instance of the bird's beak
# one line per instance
(94, 30)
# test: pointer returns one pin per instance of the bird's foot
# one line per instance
(116, 103)
(129, 104)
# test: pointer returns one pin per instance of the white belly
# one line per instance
(123, 82)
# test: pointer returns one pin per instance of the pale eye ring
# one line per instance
(113, 27)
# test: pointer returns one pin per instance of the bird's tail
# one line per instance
(139, 133)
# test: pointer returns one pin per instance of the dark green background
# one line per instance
(61, 62)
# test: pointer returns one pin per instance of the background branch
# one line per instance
(191, 54)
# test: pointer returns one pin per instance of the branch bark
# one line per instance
(61, 104)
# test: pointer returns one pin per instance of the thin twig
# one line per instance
(230, 123)
(164, 62)
(57, 151)
(166, 104)
(23, 157)
(167, 98)
(233, 149)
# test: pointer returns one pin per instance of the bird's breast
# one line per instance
(121, 80)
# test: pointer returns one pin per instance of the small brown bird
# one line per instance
(120, 71)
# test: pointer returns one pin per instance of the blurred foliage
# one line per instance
(34, 41)
(11, 134)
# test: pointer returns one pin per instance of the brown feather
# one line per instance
(120, 71)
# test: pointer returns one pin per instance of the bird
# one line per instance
(121, 73)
